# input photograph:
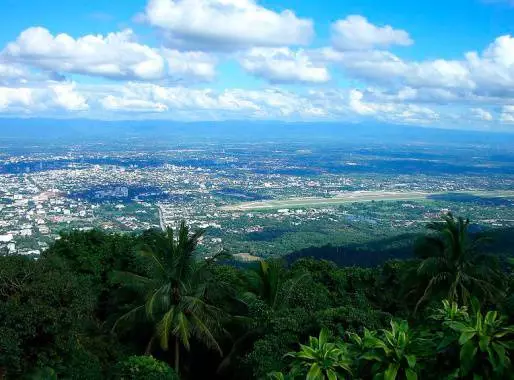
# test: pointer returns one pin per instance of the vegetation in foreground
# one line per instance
(121, 306)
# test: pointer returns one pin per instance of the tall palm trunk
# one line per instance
(177, 355)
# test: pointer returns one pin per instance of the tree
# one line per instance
(176, 292)
(267, 293)
(269, 283)
(46, 310)
(452, 265)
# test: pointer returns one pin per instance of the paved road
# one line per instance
(162, 223)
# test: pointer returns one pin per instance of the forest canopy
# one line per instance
(99, 305)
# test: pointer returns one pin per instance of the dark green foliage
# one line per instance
(453, 265)
(321, 359)
(58, 312)
(485, 342)
(44, 310)
(388, 354)
(176, 293)
(143, 367)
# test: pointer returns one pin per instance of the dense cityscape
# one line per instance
(52, 190)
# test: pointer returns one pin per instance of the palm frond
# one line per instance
(203, 333)
(164, 328)
(130, 316)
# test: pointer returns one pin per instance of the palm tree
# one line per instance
(452, 263)
(266, 284)
(176, 293)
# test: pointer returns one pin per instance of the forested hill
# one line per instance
(99, 305)
(378, 252)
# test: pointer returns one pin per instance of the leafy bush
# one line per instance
(144, 367)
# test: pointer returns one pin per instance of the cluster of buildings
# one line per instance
(129, 192)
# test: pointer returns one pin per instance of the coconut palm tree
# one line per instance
(176, 293)
(265, 284)
(452, 265)
(268, 283)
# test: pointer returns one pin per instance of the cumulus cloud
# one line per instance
(15, 98)
(493, 70)
(507, 114)
(486, 76)
(383, 67)
(55, 96)
(65, 96)
(190, 64)
(135, 99)
(226, 24)
(355, 32)
(397, 112)
(262, 104)
(10, 72)
(282, 65)
(209, 104)
(482, 114)
(113, 103)
(115, 56)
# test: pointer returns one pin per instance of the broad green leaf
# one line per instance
(410, 374)
(323, 336)
(314, 373)
(465, 336)
(500, 351)
(483, 343)
(411, 360)
(467, 356)
(331, 374)
(391, 371)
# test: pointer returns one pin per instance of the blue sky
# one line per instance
(441, 63)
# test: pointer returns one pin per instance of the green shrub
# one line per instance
(144, 367)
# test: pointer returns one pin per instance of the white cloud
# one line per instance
(207, 103)
(148, 100)
(113, 103)
(355, 32)
(395, 112)
(53, 97)
(260, 104)
(493, 70)
(282, 65)
(507, 114)
(66, 97)
(115, 56)
(226, 24)
(383, 67)
(9, 72)
(15, 98)
(482, 114)
(478, 78)
(190, 64)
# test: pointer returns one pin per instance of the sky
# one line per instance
(422, 63)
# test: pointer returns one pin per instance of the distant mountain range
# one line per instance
(251, 131)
